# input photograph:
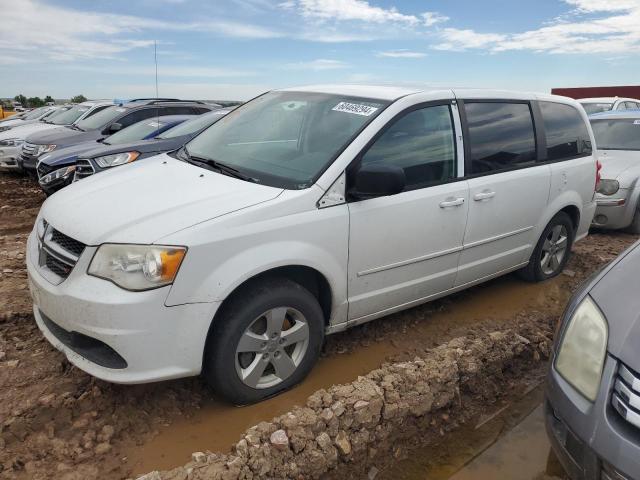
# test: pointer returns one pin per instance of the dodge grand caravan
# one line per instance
(302, 213)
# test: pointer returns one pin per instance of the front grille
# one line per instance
(58, 253)
(67, 243)
(44, 169)
(626, 395)
(84, 168)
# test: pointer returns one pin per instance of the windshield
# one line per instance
(591, 108)
(137, 131)
(35, 114)
(618, 134)
(286, 139)
(69, 116)
(101, 119)
(195, 125)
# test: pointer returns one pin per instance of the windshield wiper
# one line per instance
(75, 127)
(216, 166)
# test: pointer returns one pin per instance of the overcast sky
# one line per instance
(226, 49)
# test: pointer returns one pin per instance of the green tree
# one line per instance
(35, 102)
(48, 99)
(21, 99)
(79, 99)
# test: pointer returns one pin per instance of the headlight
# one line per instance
(582, 352)
(116, 159)
(608, 187)
(5, 128)
(137, 267)
(11, 142)
(40, 149)
(65, 172)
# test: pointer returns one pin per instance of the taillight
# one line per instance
(598, 176)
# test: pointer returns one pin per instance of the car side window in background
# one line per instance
(631, 105)
(565, 130)
(96, 110)
(501, 136)
(422, 143)
(138, 116)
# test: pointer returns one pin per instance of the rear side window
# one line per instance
(422, 143)
(565, 130)
(501, 136)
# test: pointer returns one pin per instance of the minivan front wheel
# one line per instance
(552, 250)
(266, 340)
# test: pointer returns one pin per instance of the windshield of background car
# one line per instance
(286, 139)
(135, 132)
(35, 114)
(618, 134)
(70, 116)
(101, 119)
(591, 108)
(56, 113)
(192, 126)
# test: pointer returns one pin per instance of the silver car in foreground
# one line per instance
(593, 387)
(617, 137)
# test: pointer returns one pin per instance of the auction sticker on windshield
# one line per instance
(356, 108)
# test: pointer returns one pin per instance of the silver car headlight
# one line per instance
(137, 267)
(117, 159)
(583, 349)
(5, 128)
(11, 142)
(63, 173)
(608, 187)
(40, 149)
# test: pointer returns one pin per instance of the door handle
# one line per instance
(479, 197)
(454, 202)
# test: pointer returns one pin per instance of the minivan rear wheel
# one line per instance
(266, 340)
(552, 251)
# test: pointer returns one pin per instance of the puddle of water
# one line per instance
(513, 444)
(218, 425)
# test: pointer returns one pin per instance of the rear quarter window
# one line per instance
(565, 131)
(501, 136)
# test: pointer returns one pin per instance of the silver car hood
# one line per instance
(617, 296)
(616, 162)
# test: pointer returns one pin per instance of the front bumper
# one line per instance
(614, 212)
(592, 441)
(9, 158)
(156, 342)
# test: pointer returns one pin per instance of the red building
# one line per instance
(589, 92)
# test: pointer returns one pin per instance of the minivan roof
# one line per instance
(391, 93)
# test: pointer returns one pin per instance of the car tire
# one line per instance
(550, 254)
(245, 339)
(634, 228)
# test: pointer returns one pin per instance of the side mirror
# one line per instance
(378, 181)
(115, 127)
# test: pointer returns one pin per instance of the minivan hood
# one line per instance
(616, 162)
(616, 294)
(142, 202)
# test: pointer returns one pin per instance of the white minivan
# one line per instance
(304, 212)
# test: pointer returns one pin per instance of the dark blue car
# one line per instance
(56, 170)
(109, 156)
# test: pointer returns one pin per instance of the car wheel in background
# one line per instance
(266, 339)
(552, 251)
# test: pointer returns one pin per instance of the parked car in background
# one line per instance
(104, 123)
(30, 117)
(303, 212)
(56, 170)
(592, 406)
(617, 137)
(15, 116)
(605, 104)
(109, 156)
(12, 140)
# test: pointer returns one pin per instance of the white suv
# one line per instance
(305, 212)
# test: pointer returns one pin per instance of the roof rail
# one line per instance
(154, 98)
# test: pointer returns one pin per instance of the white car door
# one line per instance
(405, 248)
(508, 189)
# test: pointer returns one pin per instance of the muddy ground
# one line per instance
(56, 421)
